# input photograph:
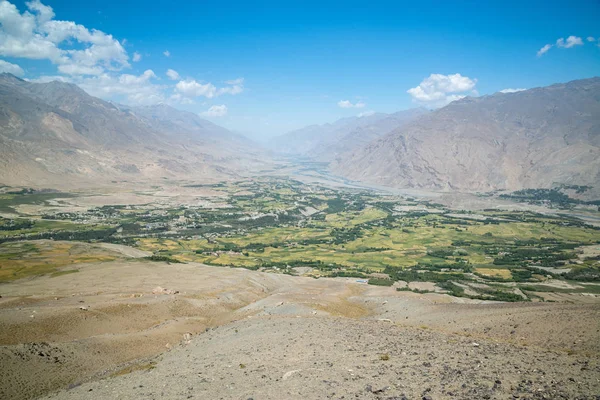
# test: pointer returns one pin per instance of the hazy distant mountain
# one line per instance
(345, 140)
(185, 124)
(329, 140)
(534, 138)
(51, 131)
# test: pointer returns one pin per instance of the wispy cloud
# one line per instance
(172, 74)
(349, 104)
(215, 111)
(126, 88)
(563, 43)
(137, 57)
(238, 81)
(135, 89)
(366, 114)
(544, 50)
(167, 53)
(11, 68)
(511, 90)
(191, 88)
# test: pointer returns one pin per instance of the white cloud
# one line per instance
(235, 89)
(44, 13)
(50, 78)
(349, 104)
(570, 42)
(76, 69)
(35, 34)
(177, 98)
(366, 114)
(124, 88)
(127, 79)
(191, 88)
(511, 90)
(130, 89)
(215, 111)
(438, 90)
(90, 58)
(238, 81)
(563, 43)
(544, 50)
(11, 68)
(172, 74)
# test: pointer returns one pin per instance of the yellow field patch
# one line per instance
(153, 244)
(352, 218)
(31, 258)
(494, 272)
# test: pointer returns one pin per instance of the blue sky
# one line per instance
(264, 68)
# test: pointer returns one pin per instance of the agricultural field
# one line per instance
(30, 258)
(287, 226)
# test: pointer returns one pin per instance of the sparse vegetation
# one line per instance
(262, 225)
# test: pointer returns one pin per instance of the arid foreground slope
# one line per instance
(238, 334)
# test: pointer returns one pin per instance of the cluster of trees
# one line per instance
(375, 249)
(167, 259)
(487, 294)
(587, 274)
(554, 196)
(345, 235)
(349, 274)
(335, 205)
(579, 189)
(339, 204)
(15, 224)
(380, 282)
(445, 280)
(417, 274)
(254, 247)
(440, 253)
(550, 257)
(24, 191)
(83, 235)
(449, 221)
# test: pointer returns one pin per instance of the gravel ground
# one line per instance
(339, 358)
(130, 330)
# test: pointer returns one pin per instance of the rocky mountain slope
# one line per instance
(49, 131)
(536, 138)
(325, 142)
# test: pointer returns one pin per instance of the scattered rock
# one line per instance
(161, 290)
(290, 373)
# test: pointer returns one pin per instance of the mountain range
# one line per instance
(327, 141)
(52, 133)
(55, 132)
(537, 138)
